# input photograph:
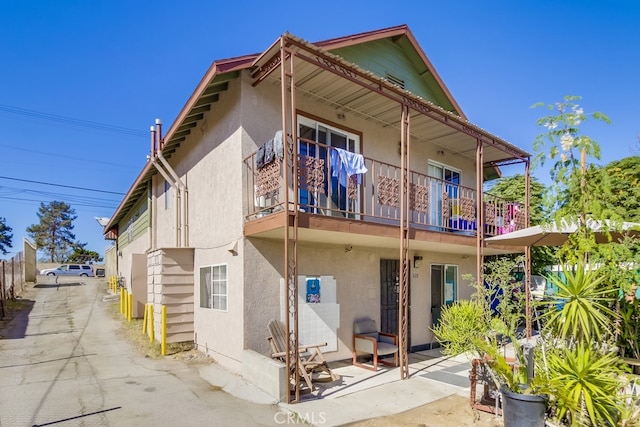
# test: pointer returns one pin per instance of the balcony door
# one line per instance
(317, 141)
(442, 191)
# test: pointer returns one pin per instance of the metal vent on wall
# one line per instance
(395, 80)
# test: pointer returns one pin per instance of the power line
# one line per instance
(68, 157)
(72, 121)
(73, 203)
(60, 185)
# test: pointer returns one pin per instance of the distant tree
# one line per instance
(82, 255)
(53, 234)
(622, 179)
(512, 188)
(5, 236)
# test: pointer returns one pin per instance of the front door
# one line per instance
(389, 297)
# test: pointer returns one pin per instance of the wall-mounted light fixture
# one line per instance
(417, 261)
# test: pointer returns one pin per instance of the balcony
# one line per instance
(373, 197)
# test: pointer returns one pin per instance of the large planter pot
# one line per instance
(522, 410)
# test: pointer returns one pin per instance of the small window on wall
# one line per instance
(213, 287)
(167, 194)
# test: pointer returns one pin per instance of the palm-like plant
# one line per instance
(585, 301)
(585, 385)
(583, 374)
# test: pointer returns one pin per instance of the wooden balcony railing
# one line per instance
(375, 195)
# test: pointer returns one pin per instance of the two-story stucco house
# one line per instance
(329, 181)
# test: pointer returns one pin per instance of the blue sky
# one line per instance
(81, 81)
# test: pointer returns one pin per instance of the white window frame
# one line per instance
(209, 298)
(436, 188)
(317, 124)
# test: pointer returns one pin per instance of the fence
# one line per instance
(11, 280)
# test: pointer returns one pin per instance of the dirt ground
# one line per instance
(451, 411)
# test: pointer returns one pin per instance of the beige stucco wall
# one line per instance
(110, 261)
(138, 246)
(209, 162)
(357, 275)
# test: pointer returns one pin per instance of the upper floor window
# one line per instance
(317, 149)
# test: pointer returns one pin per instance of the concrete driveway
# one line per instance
(61, 364)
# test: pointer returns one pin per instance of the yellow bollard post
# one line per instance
(130, 311)
(163, 345)
(126, 303)
(144, 319)
(121, 301)
(151, 331)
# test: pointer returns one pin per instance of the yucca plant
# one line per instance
(585, 299)
(584, 384)
(582, 368)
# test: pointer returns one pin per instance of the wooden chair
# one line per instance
(367, 339)
(310, 358)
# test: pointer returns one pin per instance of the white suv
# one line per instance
(69, 270)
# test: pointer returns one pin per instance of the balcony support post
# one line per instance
(403, 297)
(290, 177)
(480, 216)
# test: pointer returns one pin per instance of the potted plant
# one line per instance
(487, 327)
(572, 376)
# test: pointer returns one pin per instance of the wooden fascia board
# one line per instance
(360, 38)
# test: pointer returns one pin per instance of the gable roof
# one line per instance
(215, 81)
(402, 36)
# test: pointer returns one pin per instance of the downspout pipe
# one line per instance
(177, 190)
(156, 149)
(182, 188)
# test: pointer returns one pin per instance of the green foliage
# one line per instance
(584, 384)
(622, 179)
(570, 195)
(585, 298)
(53, 234)
(82, 255)
(513, 188)
(471, 326)
(461, 327)
(584, 375)
(629, 334)
(5, 236)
